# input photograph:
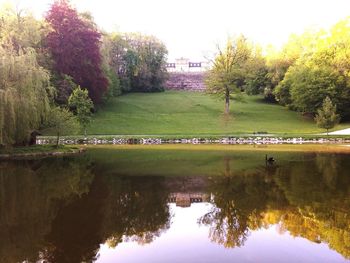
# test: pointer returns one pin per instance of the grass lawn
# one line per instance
(190, 113)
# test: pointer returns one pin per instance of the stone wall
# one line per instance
(190, 81)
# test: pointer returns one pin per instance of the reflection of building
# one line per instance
(185, 65)
(186, 199)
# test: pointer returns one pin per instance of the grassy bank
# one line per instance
(195, 114)
(37, 150)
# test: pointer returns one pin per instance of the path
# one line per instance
(341, 132)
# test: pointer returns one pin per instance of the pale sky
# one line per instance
(192, 28)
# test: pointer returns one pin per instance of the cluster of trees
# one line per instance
(134, 62)
(54, 72)
(307, 69)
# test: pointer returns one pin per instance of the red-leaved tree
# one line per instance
(74, 46)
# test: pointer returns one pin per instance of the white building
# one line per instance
(185, 65)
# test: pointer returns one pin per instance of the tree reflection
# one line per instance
(115, 209)
(239, 201)
(31, 193)
(308, 198)
(61, 210)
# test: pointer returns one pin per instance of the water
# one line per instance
(165, 205)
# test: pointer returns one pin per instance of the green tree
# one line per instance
(138, 61)
(82, 105)
(25, 89)
(24, 99)
(228, 69)
(327, 116)
(255, 79)
(62, 122)
(315, 65)
(20, 29)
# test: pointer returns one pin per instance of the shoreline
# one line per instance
(30, 155)
(224, 140)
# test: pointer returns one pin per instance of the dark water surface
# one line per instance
(148, 205)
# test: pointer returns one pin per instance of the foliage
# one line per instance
(24, 100)
(82, 105)
(25, 90)
(61, 122)
(138, 60)
(327, 116)
(146, 60)
(74, 44)
(256, 78)
(319, 69)
(20, 30)
(227, 72)
(64, 86)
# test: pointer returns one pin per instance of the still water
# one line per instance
(186, 205)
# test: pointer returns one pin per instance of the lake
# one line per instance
(178, 204)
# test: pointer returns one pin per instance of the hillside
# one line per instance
(193, 113)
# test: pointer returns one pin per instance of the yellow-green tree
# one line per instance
(24, 84)
(24, 101)
(81, 105)
(228, 70)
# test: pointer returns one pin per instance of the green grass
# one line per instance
(189, 113)
(38, 149)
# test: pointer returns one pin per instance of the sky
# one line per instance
(193, 28)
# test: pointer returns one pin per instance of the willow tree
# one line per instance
(24, 101)
(228, 70)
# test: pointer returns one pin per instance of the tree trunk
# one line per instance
(227, 101)
(85, 132)
(58, 139)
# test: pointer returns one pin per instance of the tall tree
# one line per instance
(228, 70)
(20, 29)
(138, 60)
(82, 105)
(61, 122)
(24, 100)
(74, 44)
(327, 116)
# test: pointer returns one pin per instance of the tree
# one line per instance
(61, 122)
(327, 117)
(74, 44)
(313, 66)
(20, 29)
(25, 89)
(255, 79)
(24, 96)
(113, 50)
(82, 105)
(228, 70)
(135, 62)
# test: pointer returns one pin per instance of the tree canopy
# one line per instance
(24, 100)
(228, 70)
(74, 44)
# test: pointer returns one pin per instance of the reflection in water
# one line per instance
(61, 210)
